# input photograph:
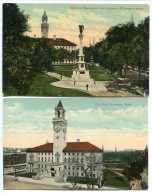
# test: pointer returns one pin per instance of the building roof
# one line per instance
(60, 104)
(60, 42)
(48, 147)
(80, 146)
(71, 147)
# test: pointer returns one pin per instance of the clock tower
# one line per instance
(59, 133)
(44, 25)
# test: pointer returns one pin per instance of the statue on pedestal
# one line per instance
(81, 28)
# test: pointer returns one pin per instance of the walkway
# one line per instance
(47, 182)
(99, 88)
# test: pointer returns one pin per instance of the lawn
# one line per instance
(119, 165)
(99, 74)
(114, 180)
(66, 70)
(82, 180)
(96, 72)
(27, 174)
(41, 87)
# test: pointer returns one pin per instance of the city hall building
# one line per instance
(61, 159)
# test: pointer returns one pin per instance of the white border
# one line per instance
(1, 98)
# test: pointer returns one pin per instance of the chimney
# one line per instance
(54, 37)
(78, 140)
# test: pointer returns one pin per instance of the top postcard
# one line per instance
(76, 50)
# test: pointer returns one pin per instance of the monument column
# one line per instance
(80, 73)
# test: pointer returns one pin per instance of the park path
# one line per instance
(99, 88)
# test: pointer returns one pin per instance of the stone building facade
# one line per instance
(61, 159)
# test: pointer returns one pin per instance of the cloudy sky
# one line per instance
(112, 122)
(64, 19)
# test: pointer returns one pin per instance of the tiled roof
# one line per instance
(48, 147)
(81, 146)
(60, 104)
(71, 146)
(60, 42)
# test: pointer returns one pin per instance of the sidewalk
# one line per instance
(51, 182)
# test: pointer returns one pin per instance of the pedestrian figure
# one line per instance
(87, 86)
(61, 76)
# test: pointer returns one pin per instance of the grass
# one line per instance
(99, 74)
(41, 87)
(96, 72)
(111, 165)
(66, 70)
(114, 180)
(23, 174)
(82, 180)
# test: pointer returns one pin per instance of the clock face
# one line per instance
(57, 129)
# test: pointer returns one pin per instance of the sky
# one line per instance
(64, 19)
(120, 122)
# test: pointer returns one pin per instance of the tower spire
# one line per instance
(60, 104)
(44, 25)
(132, 19)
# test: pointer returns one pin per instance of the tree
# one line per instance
(133, 172)
(17, 50)
(62, 54)
(91, 162)
(140, 47)
(43, 56)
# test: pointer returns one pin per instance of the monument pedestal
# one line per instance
(82, 76)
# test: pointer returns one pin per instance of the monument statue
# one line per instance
(81, 28)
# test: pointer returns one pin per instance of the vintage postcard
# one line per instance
(71, 144)
(76, 50)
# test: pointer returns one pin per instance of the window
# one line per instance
(81, 174)
(77, 167)
(49, 159)
(69, 154)
(64, 159)
(42, 159)
(65, 154)
(57, 137)
(57, 159)
(94, 175)
(64, 167)
(73, 167)
(73, 153)
(69, 160)
(45, 158)
(69, 167)
(69, 173)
